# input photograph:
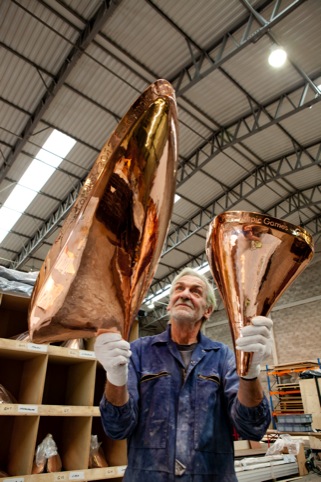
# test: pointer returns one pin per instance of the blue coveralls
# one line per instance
(179, 423)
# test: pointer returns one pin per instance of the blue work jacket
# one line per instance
(181, 421)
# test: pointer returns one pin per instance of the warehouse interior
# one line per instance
(249, 139)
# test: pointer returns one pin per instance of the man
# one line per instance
(176, 396)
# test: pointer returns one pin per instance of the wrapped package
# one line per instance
(17, 282)
(285, 443)
(22, 336)
(39, 463)
(76, 343)
(97, 458)
(54, 463)
(6, 396)
(47, 458)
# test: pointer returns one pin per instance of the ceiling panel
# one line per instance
(249, 135)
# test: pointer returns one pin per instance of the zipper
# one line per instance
(211, 378)
(152, 376)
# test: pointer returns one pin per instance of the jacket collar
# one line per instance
(203, 342)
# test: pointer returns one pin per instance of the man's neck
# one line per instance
(185, 335)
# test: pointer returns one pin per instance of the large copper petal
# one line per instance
(100, 267)
(254, 258)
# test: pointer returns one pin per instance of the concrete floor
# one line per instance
(311, 477)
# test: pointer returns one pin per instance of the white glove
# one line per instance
(113, 353)
(256, 338)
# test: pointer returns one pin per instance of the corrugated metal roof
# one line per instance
(249, 135)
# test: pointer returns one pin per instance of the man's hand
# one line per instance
(256, 338)
(113, 353)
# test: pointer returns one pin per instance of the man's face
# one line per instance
(188, 300)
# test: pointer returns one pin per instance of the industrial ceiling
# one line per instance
(249, 134)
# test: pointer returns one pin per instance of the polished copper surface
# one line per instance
(253, 259)
(100, 267)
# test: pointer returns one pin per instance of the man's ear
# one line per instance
(208, 312)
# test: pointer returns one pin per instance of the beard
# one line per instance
(183, 316)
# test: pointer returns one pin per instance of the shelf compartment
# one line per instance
(72, 437)
(17, 444)
(13, 315)
(100, 384)
(115, 451)
(69, 381)
(6, 429)
(23, 371)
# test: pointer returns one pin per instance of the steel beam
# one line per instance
(262, 175)
(47, 228)
(229, 46)
(87, 35)
(281, 108)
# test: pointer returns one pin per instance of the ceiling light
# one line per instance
(277, 57)
(176, 198)
(54, 150)
(159, 295)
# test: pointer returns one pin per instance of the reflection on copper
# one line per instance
(253, 259)
(100, 267)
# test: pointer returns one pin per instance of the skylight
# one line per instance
(49, 157)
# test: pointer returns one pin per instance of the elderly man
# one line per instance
(176, 396)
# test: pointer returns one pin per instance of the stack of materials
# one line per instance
(258, 469)
(17, 282)
(294, 423)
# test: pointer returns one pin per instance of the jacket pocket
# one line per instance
(207, 411)
(152, 376)
(152, 427)
(210, 378)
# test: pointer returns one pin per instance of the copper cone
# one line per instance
(253, 259)
(100, 267)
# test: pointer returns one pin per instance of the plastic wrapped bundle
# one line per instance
(47, 458)
(77, 344)
(17, 282)
(6, 396)
(96, 457)
(22, 336)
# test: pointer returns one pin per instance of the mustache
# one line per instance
(184, 301)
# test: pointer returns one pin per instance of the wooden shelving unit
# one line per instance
(57, 390)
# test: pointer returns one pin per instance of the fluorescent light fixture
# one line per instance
(277, 57)
(50, 156)
(203, 269)
(151, 300)
(176, 198)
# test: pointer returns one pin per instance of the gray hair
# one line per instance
(210, 295)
